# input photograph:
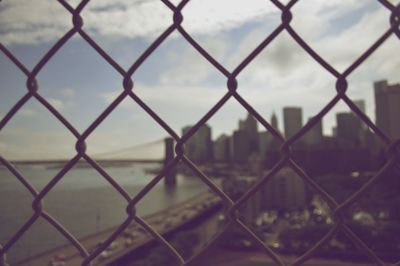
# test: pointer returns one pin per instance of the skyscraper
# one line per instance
(387, 108)
(235, 186)
(285, 191)
(360, 104)
(293, 120)
(314, 135)
(265, 139)
(274, 121)
(348, 127)
(221, 148)
(249, 126)
(199, 146)
(240, 146)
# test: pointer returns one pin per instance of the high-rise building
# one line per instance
(360, 104)
(265, 138)
(240, 146)
(235, 186)
(387, 108)
(285, 191)
(221, 148)
(334, 131)
(190, 145)
(249, 125)
(274, 121)
(268, 142)
(314, 135)
(349, 127)
(293, 120)
(199, 146)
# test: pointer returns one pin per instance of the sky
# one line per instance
(176, 81)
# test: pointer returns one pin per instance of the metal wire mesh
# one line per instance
(33, 92)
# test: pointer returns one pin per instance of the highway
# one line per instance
(133, 237)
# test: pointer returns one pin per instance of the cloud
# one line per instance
(210, 16)
(188, 67)
(284, 74)
(26, 112)
(186, 96)
(68, 93)
(344, 48)
(31, 22)
(58, 104)
(339, 48)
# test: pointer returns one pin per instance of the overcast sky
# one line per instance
(176, 81)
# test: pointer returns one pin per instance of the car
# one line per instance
(275, 244)
(58, 260)
(112, 246)
(57, 263)
(128, 242)
(104, 255)
(168, 222)
(132, 234)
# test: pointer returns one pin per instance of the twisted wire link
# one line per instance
(232, 86)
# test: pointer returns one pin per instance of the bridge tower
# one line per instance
(170, 177)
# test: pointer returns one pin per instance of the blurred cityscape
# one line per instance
(353, 146)
(288, 214)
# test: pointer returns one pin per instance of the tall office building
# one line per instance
(274, 121)
(235, 186)
(348, 127)
(190, 145)
(265, 138)
(240, 146)
(387, 108)
(360, 104)
(249, 126)
(199, 146)
(221, 148)
(285, 191)
(334, 131)
(293, 120)
(314, 135)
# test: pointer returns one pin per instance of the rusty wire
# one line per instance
(286, 159)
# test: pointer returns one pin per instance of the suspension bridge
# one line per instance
(149, 151)
(152, 151)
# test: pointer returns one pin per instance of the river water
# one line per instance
(83, 201)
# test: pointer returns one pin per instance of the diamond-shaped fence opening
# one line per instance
(339, 229)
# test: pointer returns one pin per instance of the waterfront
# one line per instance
(82, 201)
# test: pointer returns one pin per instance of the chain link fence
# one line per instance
(33, 92)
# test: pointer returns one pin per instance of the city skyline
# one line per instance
(347, 126)
(80, 84)
(251, 137)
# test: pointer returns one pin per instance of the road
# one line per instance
(134, 236)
